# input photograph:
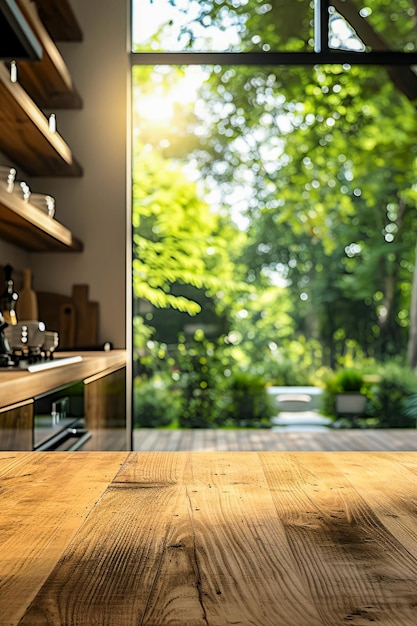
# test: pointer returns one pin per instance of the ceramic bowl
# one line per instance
(43, 202)
(50, 341)
(22, 189)
(7, 177)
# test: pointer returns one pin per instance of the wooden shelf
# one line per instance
(59, 20)
(48, 82)
(25, 225)
(17, 41)
(25, 135)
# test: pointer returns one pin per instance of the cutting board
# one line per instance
(86, 314)
(67, 323)
(27, 304)
(49, 305)
(74, 317)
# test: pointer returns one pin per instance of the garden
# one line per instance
(274, 220)
(205, 387)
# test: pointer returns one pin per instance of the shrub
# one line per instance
(248, 401)
(289, 373)
(410, 409)
(391, 399)
(155, 402)
(203, 366)
(347, 380)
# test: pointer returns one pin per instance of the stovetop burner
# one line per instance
(34, 361)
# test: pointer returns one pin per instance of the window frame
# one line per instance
(321, 55)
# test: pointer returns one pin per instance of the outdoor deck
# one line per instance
(264, 440)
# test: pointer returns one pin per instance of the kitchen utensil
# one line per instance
(67, 320)
(87, 316)
(27, 304)
(50, 311)
(4, 344)
(74, 317)
(9, 297)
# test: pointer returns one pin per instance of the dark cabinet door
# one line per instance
(105, 410)
(16, 426)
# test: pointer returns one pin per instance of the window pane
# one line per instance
(378, 24)
(215, 26)
(274, 26)
(274, 210)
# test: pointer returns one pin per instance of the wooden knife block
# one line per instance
(74, 317)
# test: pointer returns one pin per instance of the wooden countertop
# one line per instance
(18, 386)
(208, 539)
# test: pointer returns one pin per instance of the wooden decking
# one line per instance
(273, 440)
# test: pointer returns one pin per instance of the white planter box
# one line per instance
(350, 403)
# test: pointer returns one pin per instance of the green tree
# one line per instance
(322, 162)
(330, 181)
(175, 236)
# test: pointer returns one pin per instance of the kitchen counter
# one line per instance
(198, 539)
(17, 386)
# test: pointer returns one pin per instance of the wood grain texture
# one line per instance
(27, 226)
(60, 20)
(75, 317)
(43, 502)
(49, 82)
(208, 539)
(357, 572)
(25, 135)
(87, 316)
(18, 386)
(105, 400)
(16, 427)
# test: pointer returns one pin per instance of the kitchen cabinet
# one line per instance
(16, 426)
(102, 376)
(105, 410)
(104, 399)
(28, 139)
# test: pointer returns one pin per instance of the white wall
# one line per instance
(93, 207)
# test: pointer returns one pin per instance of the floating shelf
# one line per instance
(25, 135)
(59, 20)
(23, 224)
(17, 41)
(48, 81)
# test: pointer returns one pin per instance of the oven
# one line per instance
(59, 419)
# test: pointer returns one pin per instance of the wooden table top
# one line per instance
(208, 539)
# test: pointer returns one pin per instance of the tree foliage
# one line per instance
(318, 164)
(176, 237)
